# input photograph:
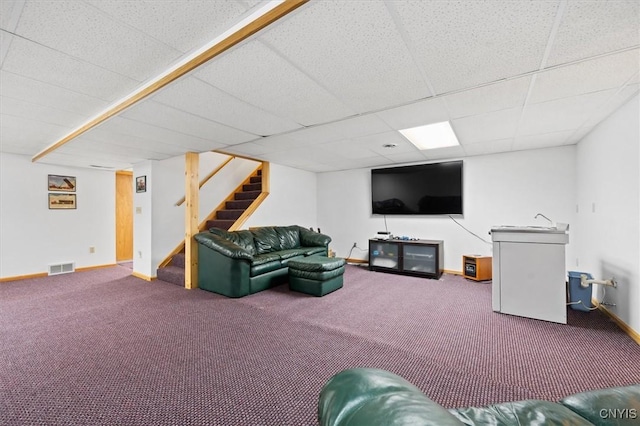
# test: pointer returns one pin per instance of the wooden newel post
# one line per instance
(192, 203)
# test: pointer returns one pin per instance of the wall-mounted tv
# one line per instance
(425, 189)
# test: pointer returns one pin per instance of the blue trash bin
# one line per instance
(579, 297)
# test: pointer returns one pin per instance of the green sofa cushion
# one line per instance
(222, 246)
(291, 253)
(316, 275)
(317, 263)
(263, 268)
(266, 239)
(289, 237)
(242, 238)
(530, 412)
(261, 259)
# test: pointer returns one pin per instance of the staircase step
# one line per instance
(172, 274)
(249, 195)
(229, 214)
(255, 179)
(177, 260)
(238, 205)
(252, 187)
(218, 223)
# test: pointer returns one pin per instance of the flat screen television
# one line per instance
(425, 189)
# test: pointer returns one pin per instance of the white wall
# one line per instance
(502, 189)
(32, 236)
(292, 200)
(608, 221)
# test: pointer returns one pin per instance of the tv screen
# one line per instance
(425, 189)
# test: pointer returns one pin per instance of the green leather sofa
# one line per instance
(371, 397)
(239, 263)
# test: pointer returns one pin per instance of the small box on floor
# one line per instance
(476, 267)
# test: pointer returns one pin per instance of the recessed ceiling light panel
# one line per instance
(431, 136)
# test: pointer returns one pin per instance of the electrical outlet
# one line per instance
(140, 254)
(92, 249)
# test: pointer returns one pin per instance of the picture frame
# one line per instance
(62, 201)
(141, 184)
(61, 183)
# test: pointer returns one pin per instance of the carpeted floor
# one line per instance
(104, 348)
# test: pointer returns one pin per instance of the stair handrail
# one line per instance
(264, 166)
(206, 178)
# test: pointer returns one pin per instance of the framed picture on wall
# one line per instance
(62, 201)
(141, 184)
(61, 183)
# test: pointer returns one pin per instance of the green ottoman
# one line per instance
(316, 275)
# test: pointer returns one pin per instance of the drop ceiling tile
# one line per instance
(199, 98)
(488, 147)
(315, 135)
(279, 142)
(79, 30)
(357, 126)
(91, 145)
(31, 60)
(406, 157)
(542, 140)
(9, 14)
(416, 114)
(249, 149)
(347, 149)
(377, 141)
(561, 114)
(370, 66)
(33, 134)
(163, 116)
(166, 140)
(18, 108)
(476, 42)
(75, 160)
(444, 153)
(36, 92)
(275, 85)
(183, 28)
(590, 28)
(494, 97)
(602, 73)
(487, 127)
(108, 135)
(98, 154)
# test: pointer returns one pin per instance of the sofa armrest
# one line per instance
(370, 396)
(610, 406)
(313, 239)
(222, 246)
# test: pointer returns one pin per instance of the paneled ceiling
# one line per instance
(321, 89)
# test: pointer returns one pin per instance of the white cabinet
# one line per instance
(529, 272)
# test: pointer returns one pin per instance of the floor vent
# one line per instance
(62, 268)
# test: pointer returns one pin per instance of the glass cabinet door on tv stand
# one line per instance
(423, 258)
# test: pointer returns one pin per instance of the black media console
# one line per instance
(423, 258)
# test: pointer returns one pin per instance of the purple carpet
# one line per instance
(103, 348)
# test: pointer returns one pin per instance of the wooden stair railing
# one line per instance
(263, 168)
(209, 176)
